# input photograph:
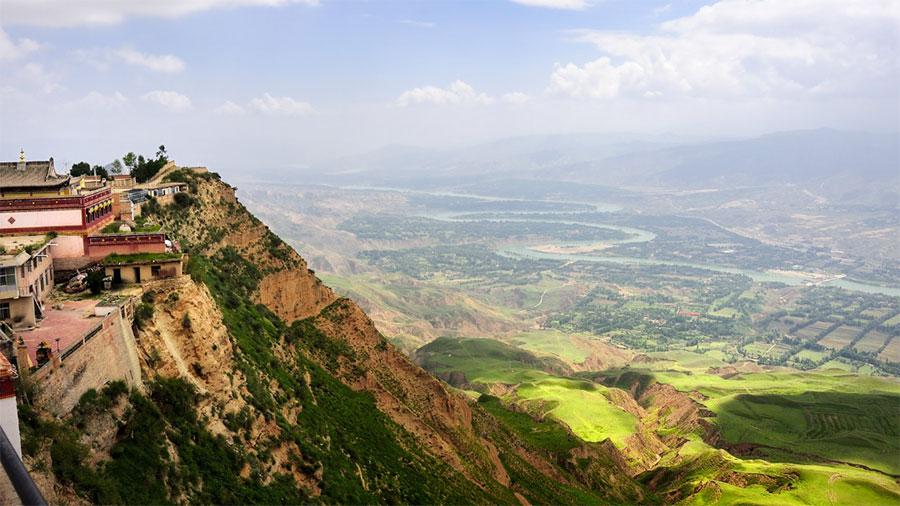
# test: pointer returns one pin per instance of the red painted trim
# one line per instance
(70, 228)
(7, 388)
(39, 203)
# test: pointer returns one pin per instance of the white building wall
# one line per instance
(9, 420)
(33, 219)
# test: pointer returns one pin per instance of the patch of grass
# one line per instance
(849, 427)
(585, 407)
(486, 361)
(544, 434)
(140, 227)
(790, 484)
(116, 259)
(552, 342)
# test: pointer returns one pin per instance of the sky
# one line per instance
(256, 84)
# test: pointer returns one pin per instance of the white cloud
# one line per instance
(458, 92)
(516, 98)
(96, 100)
(37, 77)
(98, 59)
(104, 58)
(229, 108)
(106, 12)
(13, 50)
(279, 106)
(171, 100)
(419, 24)
(739, 49)
(573, 5)
(662, 9)
(165, 63)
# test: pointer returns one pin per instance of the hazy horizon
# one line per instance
(277, 83)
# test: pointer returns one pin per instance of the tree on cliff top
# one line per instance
(143, 169)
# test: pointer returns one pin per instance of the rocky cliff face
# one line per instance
(262, 386)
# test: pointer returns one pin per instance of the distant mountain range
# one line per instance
(849, 167)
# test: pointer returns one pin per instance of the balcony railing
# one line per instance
(18, 475)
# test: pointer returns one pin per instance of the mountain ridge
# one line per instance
(846, 166)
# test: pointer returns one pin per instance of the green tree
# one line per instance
(100, 171)
(85, 169)
(116, 167)
(130, 160)
(80, 169)
(95, 281)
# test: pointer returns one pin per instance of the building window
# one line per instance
(154, 271)
(4, 311)
(8, 276)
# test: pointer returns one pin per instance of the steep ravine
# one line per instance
(264, 387)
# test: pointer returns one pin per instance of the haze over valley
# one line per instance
(525, 252)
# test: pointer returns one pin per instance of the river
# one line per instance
(634, 235)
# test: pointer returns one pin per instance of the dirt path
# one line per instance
(540, 301)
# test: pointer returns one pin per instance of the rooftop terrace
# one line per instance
(141, 258)
(12, 245)
(68, 320)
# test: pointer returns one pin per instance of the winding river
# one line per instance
(634, 236)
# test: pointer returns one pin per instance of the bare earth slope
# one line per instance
(264, 387)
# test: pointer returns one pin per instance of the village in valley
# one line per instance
(75, 252)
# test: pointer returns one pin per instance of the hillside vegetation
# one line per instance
(263, 387)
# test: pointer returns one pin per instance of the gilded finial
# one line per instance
(22, 155)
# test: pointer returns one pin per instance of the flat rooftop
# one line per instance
(69, 317)
(12, 245)
(17, 242)
(68, 324)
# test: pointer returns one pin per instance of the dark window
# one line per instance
(4, 311)
(154, 271)
(8, 276)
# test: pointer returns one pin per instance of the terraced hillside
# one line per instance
(702, 432)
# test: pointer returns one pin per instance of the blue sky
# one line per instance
(284, 83)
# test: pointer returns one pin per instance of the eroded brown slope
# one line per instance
(445, 423)
(288, 287)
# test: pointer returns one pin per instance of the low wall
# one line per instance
(107, 354)
(98, 252)
(67, 246)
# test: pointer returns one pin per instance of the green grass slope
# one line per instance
(586, 408)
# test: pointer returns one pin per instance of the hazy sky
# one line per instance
(265, 83)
